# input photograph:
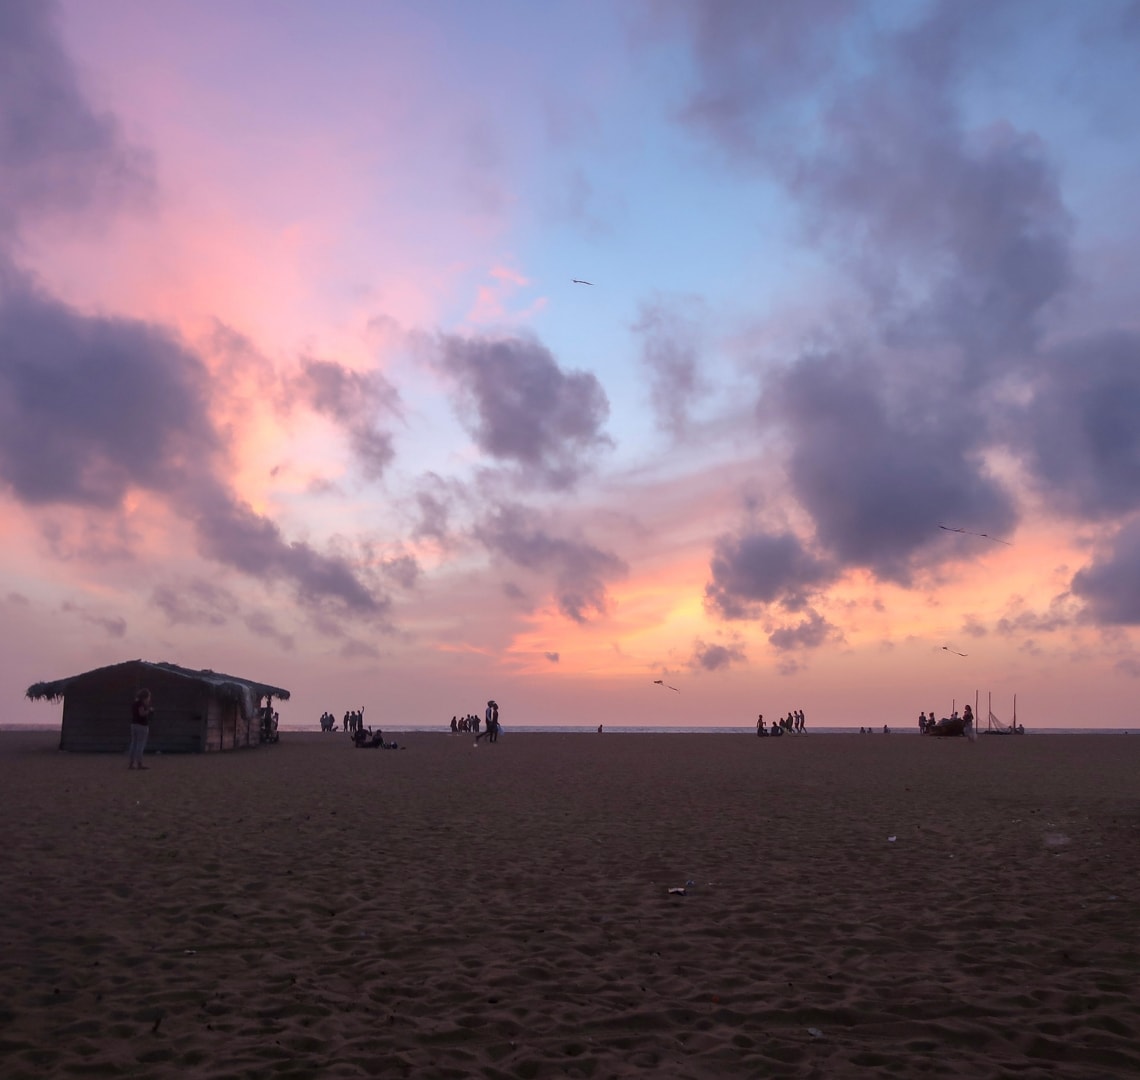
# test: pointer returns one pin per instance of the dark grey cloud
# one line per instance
(93, 538)
(961, 234)
(715, 657)
(195, 603)
(579, 569)
(354, 649)
(523, 409)
(671, 352)
(263, 625)
(955, 233)
(755, 569)
(1061, 613)
(753, 62)
(112, 625)
(437, 501)
(879, 465)
(57, 152)
(92, 406)
(403, 570)
(232, 533)
(1081, 432)
(1110, 585)
(958, 233)
(354, 400)
(434, 516)
(810, 633)
(553, 657)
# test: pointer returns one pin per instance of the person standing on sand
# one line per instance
(487, 729)
(759, 725)
(141, 710)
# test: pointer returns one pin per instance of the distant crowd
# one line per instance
(353, 721)
(363, 738)
(928, 724)
(792, 724)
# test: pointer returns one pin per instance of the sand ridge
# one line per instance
(313, 910)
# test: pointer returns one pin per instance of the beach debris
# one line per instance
(815, 1033)
(891, 839)
(189, 952)
(678, 892)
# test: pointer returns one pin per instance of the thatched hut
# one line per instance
(194, 711)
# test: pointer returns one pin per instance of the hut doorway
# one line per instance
(229, 726)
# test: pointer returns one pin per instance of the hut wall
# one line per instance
(97, 711)
(226, 728)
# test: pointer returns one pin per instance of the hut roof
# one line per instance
(229, 687)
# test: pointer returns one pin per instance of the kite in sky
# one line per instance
(662, 682)
(579, 281)
(946, 648)
(967, 532)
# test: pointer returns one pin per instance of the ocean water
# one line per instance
(614, 729)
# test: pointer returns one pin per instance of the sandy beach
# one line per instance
(854, 906)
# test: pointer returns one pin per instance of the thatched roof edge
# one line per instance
(229, 687)
(49, 691)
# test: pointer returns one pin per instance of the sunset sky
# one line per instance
(296, 384)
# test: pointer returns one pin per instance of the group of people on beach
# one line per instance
(927, 724)
(353, 721)
(792, 724)
(462, 725)
(363, 738)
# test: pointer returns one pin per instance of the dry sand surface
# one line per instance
(310, 910)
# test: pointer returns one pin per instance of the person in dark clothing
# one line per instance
(141, 710)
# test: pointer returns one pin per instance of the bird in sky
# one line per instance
(662, 682)
(967, 532)
(946, 648)
(579, 281)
